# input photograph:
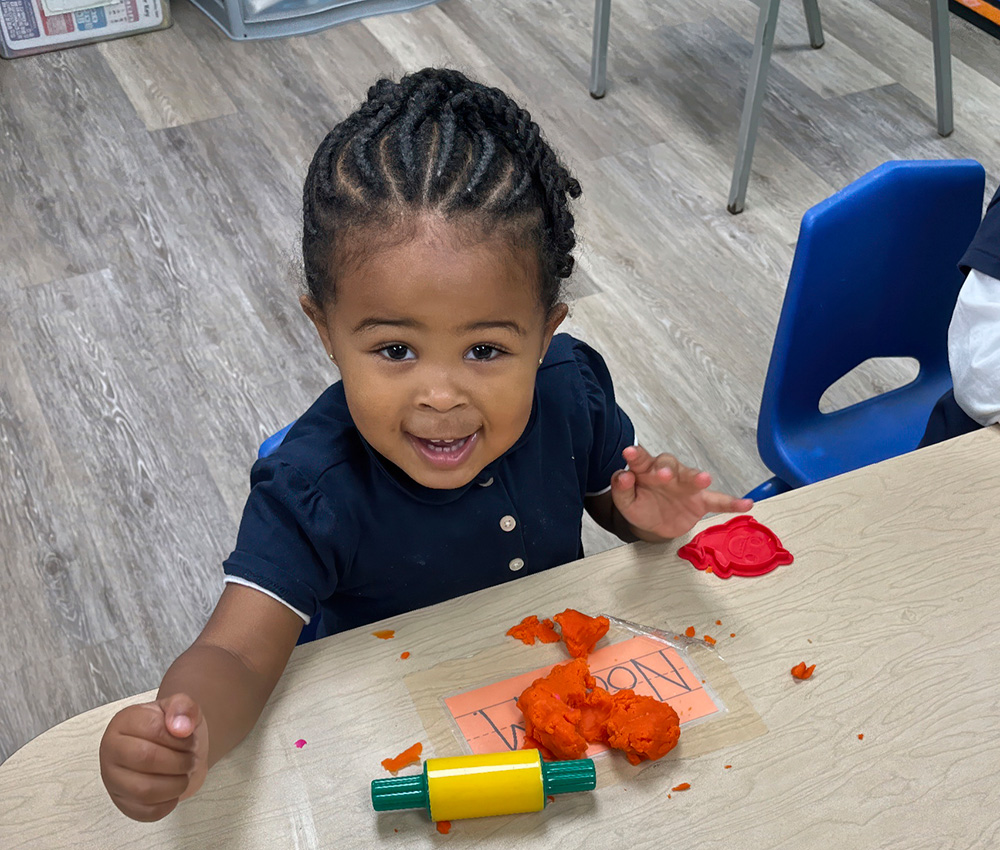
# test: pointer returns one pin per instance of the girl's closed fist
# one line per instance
(154, 755)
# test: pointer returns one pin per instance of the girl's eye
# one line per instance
(397, 352)
(484, 352)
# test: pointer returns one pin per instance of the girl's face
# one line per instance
(438, 341)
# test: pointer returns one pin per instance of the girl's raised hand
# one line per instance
(154, 755)
(661, 498)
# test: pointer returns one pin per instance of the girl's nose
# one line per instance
(439, 391)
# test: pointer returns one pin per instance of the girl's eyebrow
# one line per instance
(373, 322)
(495, 324)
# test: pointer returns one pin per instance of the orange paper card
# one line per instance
(489, 719)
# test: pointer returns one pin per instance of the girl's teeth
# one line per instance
(447, 445)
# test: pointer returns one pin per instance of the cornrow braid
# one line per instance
(436, 141)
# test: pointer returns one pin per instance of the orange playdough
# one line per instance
(385, 634)
(564, 712)
(444, 826)
(549, 708)
(530, 628)
(800, 671)
(404, 759)
(580, 632)
(641, 726)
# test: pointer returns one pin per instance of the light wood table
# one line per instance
(894, 595)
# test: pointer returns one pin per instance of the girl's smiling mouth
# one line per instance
(444, 453)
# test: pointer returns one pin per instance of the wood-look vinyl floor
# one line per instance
(150, 336)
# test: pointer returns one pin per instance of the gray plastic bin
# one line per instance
(241, 19)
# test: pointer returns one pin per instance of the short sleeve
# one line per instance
(984, 252)
(974, 348)
(285, 543)
(611, 428)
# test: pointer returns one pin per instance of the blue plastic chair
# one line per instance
(874, 275)
(272, 442)
(269, 445)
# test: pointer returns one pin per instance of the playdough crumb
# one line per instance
(300, 743)
(530, 628)
(385, 634)
(727, 766)
(405, 655)
(689, 631)
(732, 634)
(682, 787)
(404, 759)
(861, 736)
(580, 632)
(800, 671)
(550, 798)
(710, 640)
(718, 622)
(669, 797)
(444, 826)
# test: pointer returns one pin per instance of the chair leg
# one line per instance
(599, 54)
(814, 23)
(756, 85)
(941, 37)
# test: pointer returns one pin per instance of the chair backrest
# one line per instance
(874, 275)
(272, 442)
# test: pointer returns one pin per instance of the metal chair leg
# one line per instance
(756, 84)
(599, 55)
(941, 38)
(814, 23)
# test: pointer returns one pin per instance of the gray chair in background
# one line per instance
(757, 82)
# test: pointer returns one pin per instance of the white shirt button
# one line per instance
(516, 564)
(487, 482)
(508, 522)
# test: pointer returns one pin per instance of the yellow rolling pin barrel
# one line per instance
(481, 785)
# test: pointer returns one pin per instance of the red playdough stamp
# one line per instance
(740, 547)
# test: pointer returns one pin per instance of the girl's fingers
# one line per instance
(143, 756)
(147, 789)
(147, 722)
(143, 812)
(638, 459)
(699, 479)
(182, 715)
(724, 503)
(623, 488)
(668, 461)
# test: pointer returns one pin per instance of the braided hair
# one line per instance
(439, 142)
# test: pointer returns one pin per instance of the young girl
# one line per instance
(463, 442)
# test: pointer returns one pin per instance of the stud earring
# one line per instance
(331, 358)
(539, 361)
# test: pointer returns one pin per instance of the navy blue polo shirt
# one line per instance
(984, 252)
(333, 528)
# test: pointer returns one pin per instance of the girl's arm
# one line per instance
(234, 664)
(155, 754)
(657, 498)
